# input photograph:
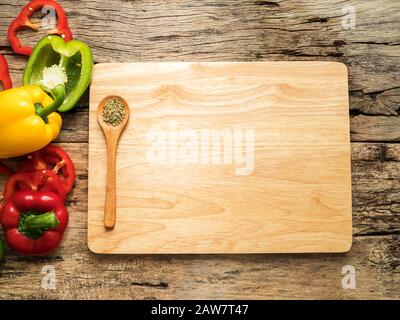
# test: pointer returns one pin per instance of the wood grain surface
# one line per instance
(187, 184)
(230, 30)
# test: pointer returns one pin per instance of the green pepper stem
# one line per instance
(58, 94)
(46, 220)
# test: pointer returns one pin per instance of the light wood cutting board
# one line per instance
(225, 158)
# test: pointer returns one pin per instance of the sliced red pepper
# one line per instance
(55, 159)
(5, 78)
(23, 21)
(43, 180)
(4, 171)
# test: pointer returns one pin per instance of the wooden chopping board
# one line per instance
(225, 158)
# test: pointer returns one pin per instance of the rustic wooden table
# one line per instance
(230, 30)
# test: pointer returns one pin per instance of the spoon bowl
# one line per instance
(106, 126)
(112, 135)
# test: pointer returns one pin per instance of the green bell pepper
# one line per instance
(54, 62)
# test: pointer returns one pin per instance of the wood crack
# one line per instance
(376, 43)
(377, 233)
(267, 4)
(158, 285)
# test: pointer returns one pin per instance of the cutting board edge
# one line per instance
(322, 62)
(346, 248)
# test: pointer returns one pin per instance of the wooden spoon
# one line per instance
(112, 135)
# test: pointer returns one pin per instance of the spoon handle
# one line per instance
(110, 206)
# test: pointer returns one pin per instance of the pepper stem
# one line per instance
(46, 220)
(58, 94)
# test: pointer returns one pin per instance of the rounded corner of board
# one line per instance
(346, 246)
(93, 248)
(340, 66)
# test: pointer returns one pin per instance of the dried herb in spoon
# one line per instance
(114, 112)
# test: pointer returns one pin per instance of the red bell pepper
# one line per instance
(43, 180)
(8, 172)
(23, 21)
(55, 159)
(34, 222)
(5, 78)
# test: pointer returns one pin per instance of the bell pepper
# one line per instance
(5, 171)
(5, 78)
(40, 180)
(52, 158)
(34, 222)
(23, 21)
(54, 61)
(27, 119)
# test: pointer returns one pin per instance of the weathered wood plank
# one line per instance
(378, 128)
(376, 188)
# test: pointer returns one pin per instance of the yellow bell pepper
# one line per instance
(27, 119)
